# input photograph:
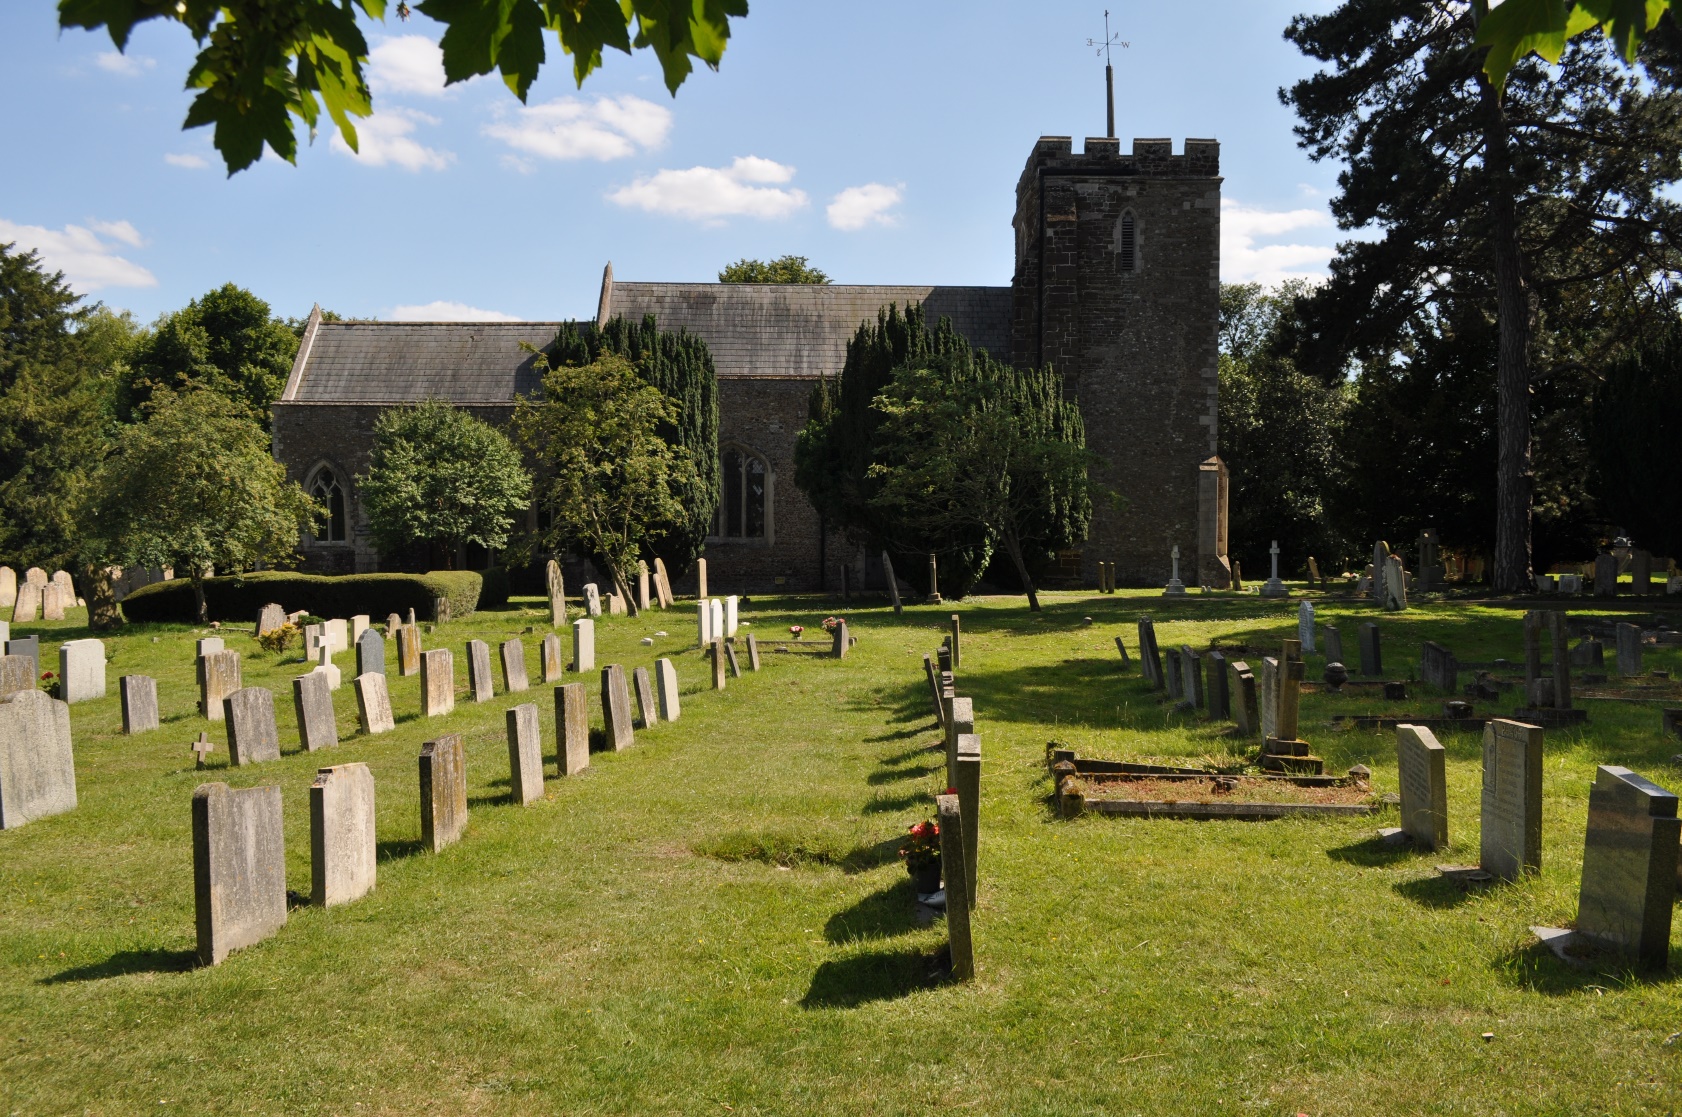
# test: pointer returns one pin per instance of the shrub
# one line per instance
(278, 639)
(238, 597)
(493, 593)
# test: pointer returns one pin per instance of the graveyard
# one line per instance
(714, 915)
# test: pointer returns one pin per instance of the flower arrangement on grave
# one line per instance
(795, 631)
(279, 639)
(831, 623)
(49, 683)
(922, 855)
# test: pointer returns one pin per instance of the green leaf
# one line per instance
(1518, 27)
(520, 53)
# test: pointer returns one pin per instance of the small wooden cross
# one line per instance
(202, 748)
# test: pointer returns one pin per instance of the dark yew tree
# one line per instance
(1514, 198)
(1633, 440)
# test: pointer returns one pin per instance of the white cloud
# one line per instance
(572, 128)
(411, 64)
(124, 65)
(746, 188)
(443, 310)
(859, 206)
(1245, 261)
(188, 160)
(384, 139)
(82, 252)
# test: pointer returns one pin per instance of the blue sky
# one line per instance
(882, 140)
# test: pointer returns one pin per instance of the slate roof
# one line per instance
(406, 362)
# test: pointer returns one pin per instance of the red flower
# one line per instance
(45, 675)
(951, 791)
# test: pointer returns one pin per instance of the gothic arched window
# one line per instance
(325, 489)
(741, 506)
(1129, 243)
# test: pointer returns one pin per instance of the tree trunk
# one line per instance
(198, 596)
(102, 600)
(1514, 477)
(623, 588)
(1014, 550)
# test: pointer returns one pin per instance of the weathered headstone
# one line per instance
(27, 647)
(1438, 667)
(1269, 698)
(312, 702)
(753, 652)
(647, 713)
(956, 642)
(479, 671)
(1605, 575)
(615, 603)
(81, 670)
(1372, 659)
(525, 754)
(1220, 702)
(1191, 672)
(583, 645)
(139, 695)
(839, 641)
(735, 664)
(269, 618)
(550, 653)
(1126, 661)
(1305, 627)
(513, 656)
(1629, 865)
(53, 602)
(343, 861)
(1149, 659)
(253, 736)
(642, 584)
(959, 721)
(592, 600)
(616, 708)
(701, 578)
(1421, 774)
(206, 646)
(555, 583)
(1176, 676)
(663, 584)
(239, 868)
(715, 656)
(703, 625)
(438, 682)
(665, 685)
(35, 576)
(1641, 572)
(373, 703)
(17, 672)
(1334, 644)
(408, 650)
(1395, 584)
(8, 587)
(934, 689)
(1512, 799)
(572, 729)
(893, 583)
(37, 765)
(393, 622)
(966, 778)
(1629, 650)
(949, 817)
(443, 791)
(370, 654)
(27, 606)
(219, 676)
(1245, 709)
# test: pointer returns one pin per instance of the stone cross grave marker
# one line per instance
(1629, 650)
(1175, 587)
(572, 729)
(513, 656)
(373, 703)
(550, 654)
(1421, 772)
(1220, 701)
(37, 764)
(966, 779)
(753, 652)
(315, 637)
(647, 713)
(525, 754)
(343, 861)
(443, 792)
(583, 645)
(239, 868)
(556, 585)
(1629, 865)
(370, 654)
(438, 682)
(1372, 659)
(715, 654)
(253, 736)
(665, 683)
(1438, 667)
(1512, 799)
(949, 817)
(139, 694)
(408, 650)
(81, 670)
(893, 583)
(1305, 627)
(479, 671)
(1273, 587)
(202, 748)
(934, 582)
(312, 702)
(325, 668)
(616, 709)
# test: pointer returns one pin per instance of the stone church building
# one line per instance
(1116, 286)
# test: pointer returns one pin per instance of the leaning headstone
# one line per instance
(1372, 661)
(1121, 647)
(893, 583)
(27, 607)
(37, 766)
(1605, 575)
(1305, 627)
(81, 670)
(665, 686)
(642, 584)
(949, 817)
(312, 702)
(443, 791)
(1629, 650)
(269, 618)
(572, 729)
(616, 708)
(479, 671)
(512, 653)
(1438, 667)
(525, 754)
(373, 703)
(663, 584)
(1421, 774)
(550, 653)
(715, 655)
(1512, 799)
(139, 695)
(1269, 698)
(253, 736)
(556, 585)
(647, 712)
(8, 587)
(583, 645)
(1220, 702)
(219, 676)
(592, 600)
(730, 654)
(1395, 584)
(408, 650)
(370, 654)
(239, 868)
(1334, 644)
(956, 643)
(966, 778)
(753, 652)
(1191, 675)
(343, 862)
(1245, 705)
(1629, 865)
(1149, 660)
(438, 682)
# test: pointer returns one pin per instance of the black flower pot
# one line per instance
(925, 879)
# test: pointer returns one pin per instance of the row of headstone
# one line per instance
(717, 619)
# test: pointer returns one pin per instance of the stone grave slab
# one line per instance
(701, 577)
(525, 754)
(735, 664)
(967, 780)
(253, 736)
(1629, 650)
(343, 859)
(753, 652)
(336, 635)
(840, 641)
(716, 607)
(1512, 799)
(893, 583)
(960, 720)
(312, 702)
(27, 607)
(1605, 576)
(715, 657)
(8, 586)
(81, 670)
(139, 696)
(1149, 661)
(1246, 712)
(1372, 657)
(592, 600)
(29, 647)
(949, 816)
(1333, 640)
(438, 682)
(550, 653)
(52, 602)
(1219, 696)
(239, 868)
(373, 704)
(17, 672)
(732, 614)
(359, 624)
(479, 686)
(1269, 698)
(269, 618)
(513, 656)
(647, 712)
(1305, 626)
(37, 764)
(572, 729)
(1191, 673)
(1438, 668)
(1629, 865)
(555, 584)
(665, 687)
(583, 645)
(1421, 772)
(443, 792)
(1175, 675)
(370, 654)
(408, 650)
(616, 708)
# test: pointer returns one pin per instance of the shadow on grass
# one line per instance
(393, 849)
(1371, 853)
(893, 804)
(127, 962)
(862, 859)
(1437, 891)
(913, 753)
(880, 915)
(1041, 693)
(879, 975)
(895, 775)
(1536, 969)
(900, 735)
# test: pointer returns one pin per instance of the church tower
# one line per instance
(1117, 287)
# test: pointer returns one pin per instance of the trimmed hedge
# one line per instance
(494, 593)
(237, 598)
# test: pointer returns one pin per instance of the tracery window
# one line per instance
(741, 506)
(325, 488)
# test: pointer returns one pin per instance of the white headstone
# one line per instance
(732, 606)
(1305, 627)
(584, 644)
(665, 684)
(81, 670)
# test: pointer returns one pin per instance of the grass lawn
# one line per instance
(715, 921)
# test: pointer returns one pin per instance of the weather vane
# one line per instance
(1103, 47)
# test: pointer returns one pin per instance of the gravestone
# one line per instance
(1313, 576)
(572, 729)
(1149, 659)
(479, 671)
(312, 702)
(239, 868)
(1422, 776)
(1220, 700)
(1512, 799)
(616, 604)
(1175, 587)
(438, 682)
(358, 625)
(665, 686)
(37, 765)
(35, 576)
(336, 635)
(1246, 710)
(663, 585)
(1191, 675)
(52, 602)
(443, 791)
(17, 672)
(393, 622)
(1559, 638)
(139, 694)
(839, 641)
(315, 637)
(1438, 667)
(373, 703)
(513, 656)
(325, 668)
(1269, 698)
(1641, 572)
(81, 670)
(642, 584)
(592, 600)
(1273, 587)
(715, 655)
(8, 587)
(966, 779)
(732, 615)
(370, 654)
(647, 713)
(956, 643)
(753, 652)
(408, 650)
(1589, 652)
(29, 647)
(934, 689)
(343, 859)
(893, 583)
(1334, 644)
(1605, 575)
(1629, 865)
(583, 645)
(1372, 659)
(1126, 662)
(949, 817)
(1176, 676)
(525, 754)
(5, 633)
(269, 618)
(703, 625)
(735, 664)
(717, 623)
(1395, 584)
(253, 736)
(555, 583)
(27, 607)
(410, 620)
(960, 720)
(1380, 554)
(701, 577)
(1629, 650)
(550, 654)
(616, 709)
(1305, 627)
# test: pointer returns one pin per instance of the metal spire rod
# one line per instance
(1103, 48)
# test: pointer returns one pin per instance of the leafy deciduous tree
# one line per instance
(226, 342)
(784, 269)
